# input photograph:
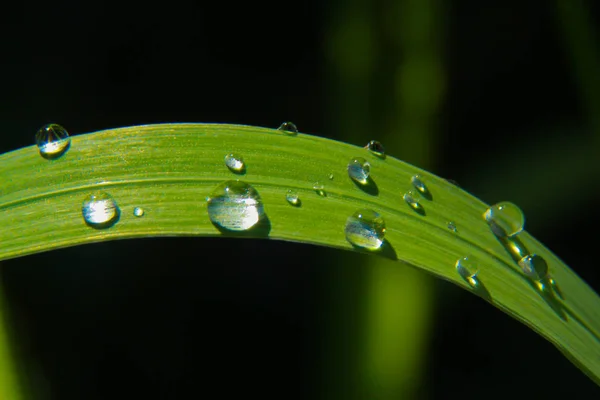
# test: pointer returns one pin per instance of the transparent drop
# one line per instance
(320, 189)
(534, 266)
(505, 219)
(138, 212)
(412, 198)
(330, 176)
(235, 206)
(417, 182)
(100, 210)
(359, 170)
(292, 198)
(376, 148)
(289, 127)
(52, 141)
(452, 227)
(467, 268)
(235, 163)
(365, 229)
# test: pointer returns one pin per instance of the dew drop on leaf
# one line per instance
(235, 206)
(376, 148)
(359, 170)
(289, 128)
(292, 198)
(412, 198)
(320, 189)
(52, 141)
(417, 182)
(534, 266)
(138, 212)
(235, 163)
(452, 226)
(467, 268)
(365, 229)
(505, 219)
(100, 210)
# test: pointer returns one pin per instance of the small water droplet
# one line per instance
(412, 198)
(556, 288)
(376, 148)
(292, 198)
(452, 226)
(365, 229)
(359, 170)
(330, 176)
(417, 182)
(138, 212)
(235, 206)
(467, 268)
(320, 189)
(100, 210)
(505, 219)
(235, 163)
(534, 266)
(289, 127)
(52, 141)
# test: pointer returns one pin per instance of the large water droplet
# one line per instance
(288, 127)
(359, 170)
(412, 198)
(376, 148)
(100, 210)
(320, 189)
(366, 229)
(534, 266)
(505, 219)
(235, 163)
(52, 141)
(292, 198)
(235, 206)
(138, 212)
(467, 268)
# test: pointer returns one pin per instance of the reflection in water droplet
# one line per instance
(359, 170)
(235, 206)
(289, 127)
(452, 227)
(235, 163)
(100, 210)
(534, 266)
(412, 198)
(292, 198)
(505, 219)
(320, 189)
(417, 182)
(467, 268)
(376, 148)
(366, 229)
(52, 141)
(138, 212)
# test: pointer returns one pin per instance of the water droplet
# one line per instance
(365, 229)
(100, 210)
(330, 176)
(505, 219)
(320, 189)
(138, 212)
(376, 148)
(289, 127)
(235, 206)
(412, 198)
(452, 227)
(417, 182)
(52, 141)
(556, 288)
(293, 198)
(534, 266)
(467, 268)
(235, 163)
(359, 170)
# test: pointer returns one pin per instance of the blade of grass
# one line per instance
(169, 170)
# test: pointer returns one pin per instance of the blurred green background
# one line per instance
(502, 97)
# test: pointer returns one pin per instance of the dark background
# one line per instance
(154, 319)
